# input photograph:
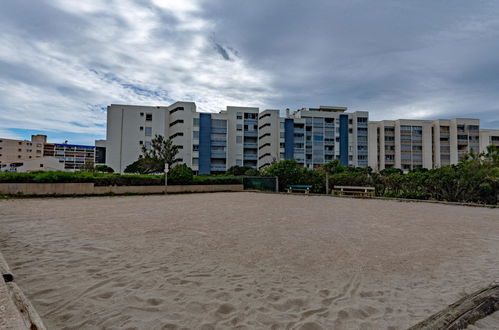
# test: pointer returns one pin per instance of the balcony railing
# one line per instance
(250, 133)
(219, 143)
(218, 154)
(250, 156)
(251, 145)
(218, 168)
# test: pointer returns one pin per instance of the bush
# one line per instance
(180, 174)
(252, 172)
(238, 170)
(104, 168)
(217, 179)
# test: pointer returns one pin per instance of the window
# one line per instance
(195, 161)
(20, 143)
(239, 127)
(239, 162)
(41, 165)
(141, 142)
(195, 147)
(148, 131)
(239, 115)
(362, 120)
(19, 150)
(149, 116)
(389, 138)
(141, 128)
(142, 114)
(239, 139)
(147, 145)
(195, 122)
(195, 135)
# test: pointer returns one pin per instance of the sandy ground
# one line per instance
(245, 260)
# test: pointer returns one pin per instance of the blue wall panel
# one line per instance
(344, 140)
(289, 138)
(204, 143)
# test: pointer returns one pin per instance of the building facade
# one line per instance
(314, 136)
(489, 137)
(74, 157)
(208, 142)
(12, 151)
(411, 144)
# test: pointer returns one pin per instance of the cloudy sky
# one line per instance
(63, 61)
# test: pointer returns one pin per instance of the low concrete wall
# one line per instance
(47, 188)
(90, 189)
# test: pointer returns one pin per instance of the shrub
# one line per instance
(252, 172)
(180, 174)
(238, 170)
(104, 168)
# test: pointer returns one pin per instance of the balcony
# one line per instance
(218, 154)
(218, 129)
(219, 143)
(251, 133)
(251, 145)
(218, 168)
(250, 156)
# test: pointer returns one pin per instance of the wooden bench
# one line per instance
(354, 190)
(297, 187)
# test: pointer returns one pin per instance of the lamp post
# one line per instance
(166, 178)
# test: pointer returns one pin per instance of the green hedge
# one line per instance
(107, 179)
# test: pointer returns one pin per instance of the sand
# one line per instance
(245, 260)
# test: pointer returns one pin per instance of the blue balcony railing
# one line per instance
(218, 154)
(251, 133)
(218, 168)
(219, 143)
(250, 156)
(251, 145)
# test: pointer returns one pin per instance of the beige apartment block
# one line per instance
(410, 144)
(12, 151)
(488, 137)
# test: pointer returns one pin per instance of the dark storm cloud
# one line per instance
(425, 59)
(396, 59)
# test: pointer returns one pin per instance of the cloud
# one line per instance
(63, 62)
(81, 56)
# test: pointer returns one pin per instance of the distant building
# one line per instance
(74, 157)
(410, 144)
(12, 151)
(37, 164)
(488, 137)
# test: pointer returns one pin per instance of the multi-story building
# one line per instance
(410, 144)
(208, 142)
(214, 142)
(12, 151)
(314, 136)
(488, 137)
(74, 157)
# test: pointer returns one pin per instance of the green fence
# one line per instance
(260, 183)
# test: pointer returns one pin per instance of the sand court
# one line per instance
(245, 260)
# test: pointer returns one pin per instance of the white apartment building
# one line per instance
(314, 136)
(208, 142)
(409, 144)
(488, 137)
